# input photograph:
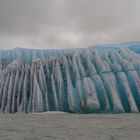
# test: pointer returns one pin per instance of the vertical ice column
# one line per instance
(30, 103)
(80, 67)
(59, 85)
(5, 91)
(20, 89)
(90, 102)
(125, 91)
(10, 93)
(134, 80)
(75, 68)
(79, 88)
(43, 86)
(15, 91)
(25, 92)
(38, 104)
(72, 102)
(111, 89)
(2, 83)
(71, 98)
(101, 93)
(55, 97)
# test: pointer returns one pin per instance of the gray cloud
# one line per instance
(67, 23)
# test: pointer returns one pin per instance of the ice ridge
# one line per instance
(79, 81)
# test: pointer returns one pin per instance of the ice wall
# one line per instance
(79, 81)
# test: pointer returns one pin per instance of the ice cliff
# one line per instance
(79, 81)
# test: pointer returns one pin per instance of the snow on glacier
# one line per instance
(76, 80)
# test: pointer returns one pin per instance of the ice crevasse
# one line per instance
(78, 81)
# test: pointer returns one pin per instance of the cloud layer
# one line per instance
(67, 23)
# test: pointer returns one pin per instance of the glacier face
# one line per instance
(79, 81)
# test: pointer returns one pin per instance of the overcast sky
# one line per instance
(67, 23)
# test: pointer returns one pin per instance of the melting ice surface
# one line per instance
(79, 81)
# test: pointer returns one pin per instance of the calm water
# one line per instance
(62, 126)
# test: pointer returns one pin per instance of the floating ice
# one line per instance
(79, 81)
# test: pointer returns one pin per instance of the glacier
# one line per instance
(70, 80)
